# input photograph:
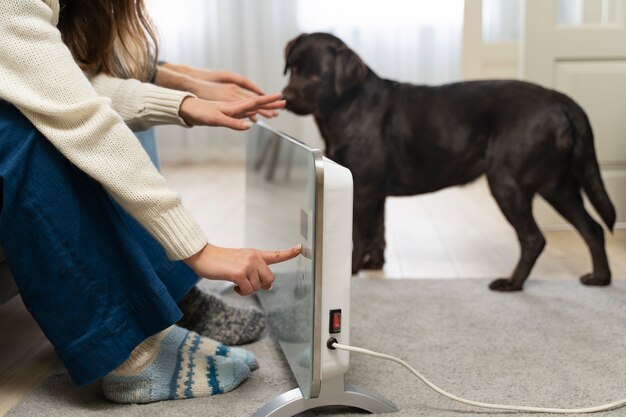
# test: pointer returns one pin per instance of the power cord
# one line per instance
(333, 344)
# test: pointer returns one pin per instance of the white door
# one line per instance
(490, 39)
(579, 47)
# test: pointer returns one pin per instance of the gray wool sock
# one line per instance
(210, 316)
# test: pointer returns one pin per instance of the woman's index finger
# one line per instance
(276, 256)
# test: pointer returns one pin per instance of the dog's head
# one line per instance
(322, 68)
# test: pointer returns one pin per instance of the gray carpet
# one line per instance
(555, 344)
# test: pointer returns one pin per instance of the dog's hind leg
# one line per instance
(516, 205)
(568, 201)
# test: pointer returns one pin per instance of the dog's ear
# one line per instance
(350, 70)
(289, 48)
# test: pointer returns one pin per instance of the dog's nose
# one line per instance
(289, 95)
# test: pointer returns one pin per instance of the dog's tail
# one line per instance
(585, 164)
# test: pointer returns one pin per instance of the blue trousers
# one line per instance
(94, 280)
(148, 141)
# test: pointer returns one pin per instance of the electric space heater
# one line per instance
(295, 195)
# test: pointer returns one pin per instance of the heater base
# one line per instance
(333, 392)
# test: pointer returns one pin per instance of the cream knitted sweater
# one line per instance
(39, 76)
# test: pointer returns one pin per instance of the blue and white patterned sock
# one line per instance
(159, 370)
(178, 336)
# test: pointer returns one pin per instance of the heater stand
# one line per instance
(332, 392)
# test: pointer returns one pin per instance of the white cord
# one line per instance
(596, 409)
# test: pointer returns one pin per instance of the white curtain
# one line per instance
(417, 41)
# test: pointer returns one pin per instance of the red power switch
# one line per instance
(334, 323)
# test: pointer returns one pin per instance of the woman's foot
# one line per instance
(209, 316)
(158, 370)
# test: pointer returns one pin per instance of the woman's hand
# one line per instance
(196, 111)
(214, 91)
(210, 84)
(246, 268)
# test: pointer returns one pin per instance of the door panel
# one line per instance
(600, 85)
(583, 54)
(488, 52)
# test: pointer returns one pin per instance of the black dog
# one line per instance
(401, 139)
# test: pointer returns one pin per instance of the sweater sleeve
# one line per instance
(141, 105)
(39, 76)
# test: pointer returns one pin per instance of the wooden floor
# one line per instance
(26, 356)
(454, 233)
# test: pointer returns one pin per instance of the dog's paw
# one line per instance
(591, 279)
(374, 263)
(356, 267)
(504, 284)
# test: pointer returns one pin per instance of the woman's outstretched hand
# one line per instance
(215, 91)
(195, 111)
(212, 85)
(246, 268)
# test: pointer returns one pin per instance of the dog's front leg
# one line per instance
(368, 234)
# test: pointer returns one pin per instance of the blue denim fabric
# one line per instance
(176, 275)
(147, 139)
(95, 281)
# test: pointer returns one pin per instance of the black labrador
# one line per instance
(400, 139)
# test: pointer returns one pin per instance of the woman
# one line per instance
(104, 298)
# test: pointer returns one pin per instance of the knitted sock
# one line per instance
(178, 336)
(158, 370)
(210, 316)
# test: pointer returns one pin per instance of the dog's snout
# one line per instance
(297, 101)
(289, 95)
